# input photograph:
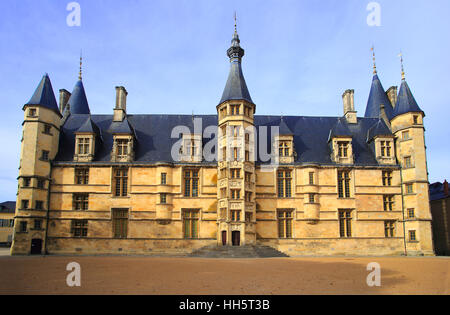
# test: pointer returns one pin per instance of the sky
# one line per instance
(171, 57)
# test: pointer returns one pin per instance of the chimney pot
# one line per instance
(349, 106)
(121, 98)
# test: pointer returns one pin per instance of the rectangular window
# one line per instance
(121, 182)
(190, 224)
(407, 162)
(248, 217)
(311, 178)
(386, 148)
(411, 214)
(235, 194)
(412, 236)
(26, 182)
(122, 147)
(405, 135)
(79, 228)
(312, 198)
(32, 112)
(163, 178)
(343, 149)
(235, 109)
(235, 173)
(345, 223)
(37, 224)
(23, 226)
(163, 199)
(47, 129)
(248, 177)
(248, 196)
(41, 184)
(80, 202)
(416, 120)
(83, 146)
(235, 215)
(284, 149)
(285, 223)
(120, 223)
(389, 229)
(39, 205)
(82, 176)
(191, 183)
(388, 203)
(284, 184)
(344, 184)
(45, 155)
(409, 189)
(387, 178)
(25, 204)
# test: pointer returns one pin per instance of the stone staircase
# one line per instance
(247, 251)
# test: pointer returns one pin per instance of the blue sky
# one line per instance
(171, 56)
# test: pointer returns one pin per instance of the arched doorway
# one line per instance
(36, 246)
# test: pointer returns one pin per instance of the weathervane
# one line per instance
(374, 60)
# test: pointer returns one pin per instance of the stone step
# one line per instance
(247, 251)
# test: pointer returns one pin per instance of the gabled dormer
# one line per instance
(340, 141)
(284, 144)
(85, 141)
(381, 141)
(123, 141)
(191, 150)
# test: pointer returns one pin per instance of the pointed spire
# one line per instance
(378, 97)
(236, 88)
(80, 77)
(78, 102)
(406, 102)
(44, 96)
(374, 60)
(403, 69)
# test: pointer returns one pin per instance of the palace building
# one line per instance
(123, 184)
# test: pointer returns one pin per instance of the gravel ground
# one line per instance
(196, 276)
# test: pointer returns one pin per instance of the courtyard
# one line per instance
(198, 276)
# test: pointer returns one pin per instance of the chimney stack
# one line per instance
(120, 110)
(349, 106)
(64, 97)
(392, 93)
(446, 188)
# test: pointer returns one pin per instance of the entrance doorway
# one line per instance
(236, 236)
(36, 247)
(224, 238)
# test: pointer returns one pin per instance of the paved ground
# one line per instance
(197, 276)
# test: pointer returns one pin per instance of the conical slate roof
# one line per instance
(44, 96)
(378, 97)
(236, 88)
(78, 102)
(379, 129)
(405, 101)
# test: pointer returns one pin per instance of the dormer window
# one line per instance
(386, 148)
(284, 150)
(122, 149)
(191, 150)
(84, 148)
(343, 149)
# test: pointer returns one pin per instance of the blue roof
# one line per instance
(340, 129)
(284, 128)
(405, 101)
(154, 142)
(88, 127)
(8, 207)
(437, 191)
(379, 129)
(44, 96)
(378, 97)
(236, 88)
(122, 127)
(78, 102)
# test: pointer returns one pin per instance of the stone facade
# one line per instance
(121, 205)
